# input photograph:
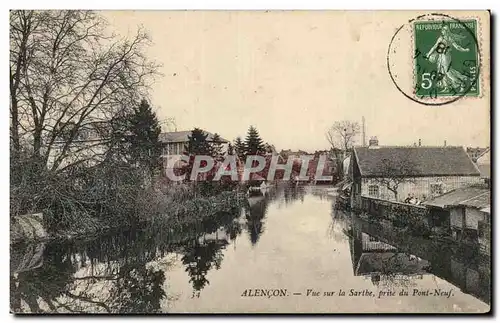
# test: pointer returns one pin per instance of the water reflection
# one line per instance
(255, 215)
(129, 272)
(379, 252)
(116, 273)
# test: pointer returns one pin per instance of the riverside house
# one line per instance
(395, 173)
(483, 162)
(469, 213)
(174, 143)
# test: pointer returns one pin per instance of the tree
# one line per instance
(136, 136)
(255, 214)
(216, 147)
(342, 136)
(68, 74)
(230, 149)
(270, 149)
(239, 147)
(394, 172)
(197, 143)
(254, 145)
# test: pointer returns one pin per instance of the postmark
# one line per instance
(443, 60)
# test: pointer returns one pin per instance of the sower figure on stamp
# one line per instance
(440, 54)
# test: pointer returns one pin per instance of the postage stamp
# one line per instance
(446, 58)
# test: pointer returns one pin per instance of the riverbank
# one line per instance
(170, 215)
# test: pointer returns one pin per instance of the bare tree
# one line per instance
(67, 74)
(394, 172)
(170, 124)
(342, 134)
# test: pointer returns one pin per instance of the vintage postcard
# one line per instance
(250, 162)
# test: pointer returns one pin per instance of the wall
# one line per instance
(391, 209)
(472, 217)
(484, 236)
(177, 148)
(373, 244)
(90, 150)
(421, 188)
(456, 217)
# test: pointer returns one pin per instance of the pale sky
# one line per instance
(292, 74)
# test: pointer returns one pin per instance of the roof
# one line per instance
(484, 152)
(479, 201)
(484, 170)
(182, 136)
(390, 263)
(467, 196)
(295, 153)
(419, 161)
(486, 209)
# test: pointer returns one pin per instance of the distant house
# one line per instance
(469, 212)
(288, 153)
(174, 143)
(475, 153)
(421, 172)
(86, 147)
(483, 162)
(270, 150)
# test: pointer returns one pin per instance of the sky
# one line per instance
(291, 75)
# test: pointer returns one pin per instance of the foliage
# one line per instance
(216, 147)
(197, 143)
(239, 148)
(342, 137)
(68, 78)
(230, 149)
(254, 145)
(342, 134)
(392, 173)
(197, 209)
(135, 137)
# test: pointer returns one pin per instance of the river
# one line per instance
(291, 252)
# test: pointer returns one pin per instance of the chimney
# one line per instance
(419, 142)
(373, 142)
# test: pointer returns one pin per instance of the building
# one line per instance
(469, 213)
(288, 153)
(483, 162)
(174, 143)
(475, 153)
(377, 259)
(87, 147)
(394, 173)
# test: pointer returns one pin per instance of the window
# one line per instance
(436, 188)
(373, 190)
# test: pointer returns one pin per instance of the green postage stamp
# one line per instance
(446, 58)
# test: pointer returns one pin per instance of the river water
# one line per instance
(290, 252)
